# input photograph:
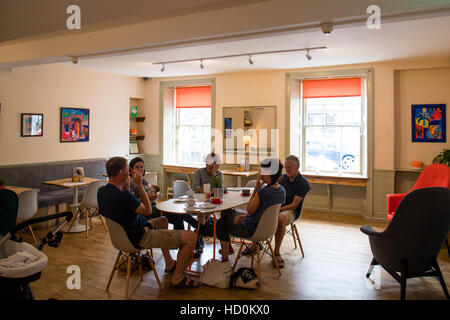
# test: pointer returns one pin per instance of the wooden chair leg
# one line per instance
(103, 222)
(274, 259)
(298, 239)
(113, 271)
(128, 276)
(32, 234)
(293, 235)
(138, 255)
(258, 266)
(154, 271)
(238, 255)
(86, 213)
(75, 218)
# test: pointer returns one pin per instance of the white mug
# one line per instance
(190, 194)
(206, 188)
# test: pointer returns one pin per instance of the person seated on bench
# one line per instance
(117, 203)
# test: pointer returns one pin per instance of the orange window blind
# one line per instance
(193, 97)
(330, 88)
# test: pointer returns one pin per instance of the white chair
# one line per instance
(28, 206)
(152, 178)
(251, 183)
(264, 232)
(127, 252)
(180, 188)
(294, 232)
(88, 205)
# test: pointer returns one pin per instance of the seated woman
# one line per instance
(175, 219)
(231, 223)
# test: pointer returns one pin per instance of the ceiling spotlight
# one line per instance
(201, 64)
(163, 68)
(250, 59)
(308, 56)
(327, 27)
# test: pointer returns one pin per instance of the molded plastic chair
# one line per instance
(152, 178)
(127, 252)
(412, 241)
(180, 188)
(28, 206)
(251, 183)
(434, 175)
(294, 231)
(88, 205)
(264, 232)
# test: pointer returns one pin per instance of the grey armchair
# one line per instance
(411, 242)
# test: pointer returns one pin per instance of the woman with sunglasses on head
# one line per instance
(267, 192)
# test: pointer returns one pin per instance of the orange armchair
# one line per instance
(434, 175)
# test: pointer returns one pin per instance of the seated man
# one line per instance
(117, 203)
(296, 186)
(201, 177)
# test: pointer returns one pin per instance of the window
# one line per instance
(329, 124)
(192, 124)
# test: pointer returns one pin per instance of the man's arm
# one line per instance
(145, 208)
(196, 184)
(293, 205)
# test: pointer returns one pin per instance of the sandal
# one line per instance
(280, 262)
(172, 270)
(186, 283)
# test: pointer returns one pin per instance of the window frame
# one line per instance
(167, 119)
(295, 117)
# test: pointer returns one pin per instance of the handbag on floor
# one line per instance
(244, 278)
(216, 274)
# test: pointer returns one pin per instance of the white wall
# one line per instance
(44, 89)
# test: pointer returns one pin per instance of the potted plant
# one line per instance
(443, 157)
(2, 184)
(217, 187)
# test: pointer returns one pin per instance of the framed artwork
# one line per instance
(134, 147)
(31, 124)
(227, 126)
(428, 123)
(74, 125)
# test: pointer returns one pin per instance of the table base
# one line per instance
(76, 227)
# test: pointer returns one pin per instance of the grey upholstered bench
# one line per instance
(51, 199)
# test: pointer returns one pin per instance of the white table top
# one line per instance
(230, 200)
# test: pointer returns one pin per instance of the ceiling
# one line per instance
(421, 38)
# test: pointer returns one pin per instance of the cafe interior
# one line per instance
(357, 91)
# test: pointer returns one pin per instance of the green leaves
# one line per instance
(443, 157)
(216, 182)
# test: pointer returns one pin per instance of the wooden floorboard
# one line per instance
(337, 256)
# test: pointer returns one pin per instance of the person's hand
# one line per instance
(152, 197)
(259, 181)
(137, 177)
(156, 188)
(239, 218)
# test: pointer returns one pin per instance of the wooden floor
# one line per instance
(337, 256)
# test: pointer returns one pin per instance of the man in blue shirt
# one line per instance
(117, 203)
(296, 186)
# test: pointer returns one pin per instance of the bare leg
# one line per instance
(225, 250)
(279, 234)
(188, 240)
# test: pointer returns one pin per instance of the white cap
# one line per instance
(212, 158)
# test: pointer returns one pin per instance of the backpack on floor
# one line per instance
(244, 278)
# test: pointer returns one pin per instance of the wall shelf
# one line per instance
(138, 119)
(134, 138)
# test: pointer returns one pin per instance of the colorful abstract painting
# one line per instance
(428, 123)
(74, 125)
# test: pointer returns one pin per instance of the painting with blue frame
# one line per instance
(428, 123)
